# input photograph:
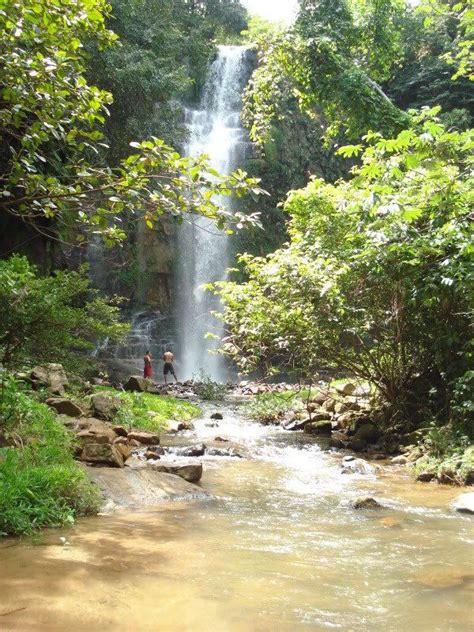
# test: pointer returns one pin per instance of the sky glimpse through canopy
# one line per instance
(272, 9)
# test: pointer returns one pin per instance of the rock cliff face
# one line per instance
(156, 254)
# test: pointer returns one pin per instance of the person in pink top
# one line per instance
(147, 369)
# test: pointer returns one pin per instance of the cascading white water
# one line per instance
(215, 130)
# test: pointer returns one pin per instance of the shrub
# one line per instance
(207, 389)
(59, 316)
(40, 483)
(269, 407)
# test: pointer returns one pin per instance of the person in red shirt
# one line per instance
(147, 369)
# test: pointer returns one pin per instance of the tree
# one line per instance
(331, 61)
(59, 316)
(425, 73)
(461, 14)
(376, 279)
(51, 119)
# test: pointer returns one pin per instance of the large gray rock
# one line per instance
(91, 429)
(191, 472)
(321, 416)
(464, 503)
(320, 428)
(351, 465)
(105, 404)
(51, 376)
(145, 438)
(142, 487)
(65, 406)
(347, 388)
(366, 434)
(295, 424)
(102, 454)
(139, 384)
(192, 450)
(366, 502)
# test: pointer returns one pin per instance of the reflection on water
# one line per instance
(279, 548)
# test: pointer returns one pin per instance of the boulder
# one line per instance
(320, 428)
(295, 424)
(154, 453)
(124, 449)
(89, 426)
(366, 502)
(173, 426)
(346, 388)
(426, 476)
(121, 440)
(367, 433)
(223, 452)
(86, 437)
(357, 445)
(102, 454)
(191, 472)
(136, 488)
(221, 439)
(144, 438)
(353, 406)
(338, 436)
(319, 398)
(464, 503)
(345, 419)
(138, 383)
(399, 460)
(105, 404)
(192, 450)
(351, 465)
(329, 405)
(321, 416)
(135, 463)
(217, 415)
(341, 407)
(52, 376)
(65, 406)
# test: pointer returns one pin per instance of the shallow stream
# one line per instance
(277, 548)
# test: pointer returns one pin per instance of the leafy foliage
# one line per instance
(46, 318)
(52, 134)
(377, 278)
(425, 76)
(330, 61)
(161, 61)
(40, 484)
(461, 53)
(269, 407)
(209, 390)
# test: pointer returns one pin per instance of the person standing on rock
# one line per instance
(168, 358)
(147, 369)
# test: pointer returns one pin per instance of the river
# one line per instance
(277, 548)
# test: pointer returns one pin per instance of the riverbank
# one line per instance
(278, 545)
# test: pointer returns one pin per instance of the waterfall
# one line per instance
(215, 130)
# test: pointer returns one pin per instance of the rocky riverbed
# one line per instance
(294, 535)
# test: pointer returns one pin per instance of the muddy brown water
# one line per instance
(278, 548)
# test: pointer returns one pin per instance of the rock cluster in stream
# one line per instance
(342, 415)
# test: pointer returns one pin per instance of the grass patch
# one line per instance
(40, 483)
(136, 409)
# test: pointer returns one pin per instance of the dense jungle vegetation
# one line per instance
(360, 259)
